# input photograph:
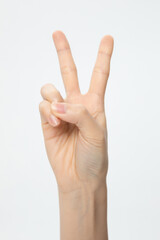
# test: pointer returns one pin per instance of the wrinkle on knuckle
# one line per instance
(105, 53)
(66, 69)
(101, 71)
(62, 50)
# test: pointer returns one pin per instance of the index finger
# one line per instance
(66, 61)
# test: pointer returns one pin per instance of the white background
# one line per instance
(28, 190)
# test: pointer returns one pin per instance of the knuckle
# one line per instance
(44, 87)
(101, 71)
(65, 49)
(48, 89)
(42, 106)
(107, 54)
(66, 69)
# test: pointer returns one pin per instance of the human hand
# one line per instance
(75, 132)
(75, 136)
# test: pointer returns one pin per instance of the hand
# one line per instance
(74, 128)
(75, 137)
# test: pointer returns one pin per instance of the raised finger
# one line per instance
(101, 69)
(66, 61)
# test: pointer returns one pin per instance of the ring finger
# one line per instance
(50, 93)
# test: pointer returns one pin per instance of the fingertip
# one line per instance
(58, 34)
(107, 42)
(108, 39)
(60, 40)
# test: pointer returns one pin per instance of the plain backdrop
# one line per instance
(28, 59)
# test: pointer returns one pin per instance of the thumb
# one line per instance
(77, 114)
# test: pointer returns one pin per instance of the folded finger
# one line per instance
(46, 115)
(50, 93)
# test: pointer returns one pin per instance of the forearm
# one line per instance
(83, 213)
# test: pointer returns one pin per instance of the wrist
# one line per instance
(83, 212)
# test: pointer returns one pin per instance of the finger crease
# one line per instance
(99, 70)
(68, 69)
(105, 53)
(63, 49)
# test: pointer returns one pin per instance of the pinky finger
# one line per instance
(46, 115)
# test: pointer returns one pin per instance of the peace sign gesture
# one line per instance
(74, 128)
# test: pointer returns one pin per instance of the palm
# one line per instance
(66, 148)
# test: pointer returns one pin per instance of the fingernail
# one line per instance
(53, 120)
(58, 107)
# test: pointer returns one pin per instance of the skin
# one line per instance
(75, 137)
